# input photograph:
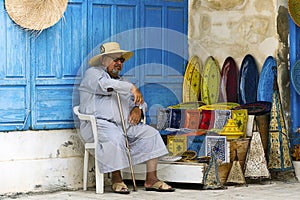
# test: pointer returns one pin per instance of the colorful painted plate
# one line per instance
(294, 10)
(256, 108)
(266, 80)
(229, 80)
(248, 80)
(192, 79)
(217, 106)
(210, 82)
(296, 76)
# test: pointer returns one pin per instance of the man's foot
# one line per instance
(159, 186)
(120, 188)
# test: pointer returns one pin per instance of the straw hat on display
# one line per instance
(109, 48)
(294, 10)
(35, 14)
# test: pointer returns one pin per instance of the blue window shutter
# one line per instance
(14, 75)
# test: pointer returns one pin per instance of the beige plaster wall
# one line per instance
(223, 28)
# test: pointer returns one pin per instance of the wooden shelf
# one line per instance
(181, 172)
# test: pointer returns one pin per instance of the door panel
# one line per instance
(57, 55)
(165, 53)
(14, 74)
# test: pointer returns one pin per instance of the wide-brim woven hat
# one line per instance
(294, 10)
(35, 14)
(109, 48)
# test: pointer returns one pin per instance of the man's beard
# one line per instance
(115, 72)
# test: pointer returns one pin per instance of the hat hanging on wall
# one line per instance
(294, 10)
(35, 14)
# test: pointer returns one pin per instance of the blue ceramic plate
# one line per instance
(248, 80)
(296, 76)
(266, 80)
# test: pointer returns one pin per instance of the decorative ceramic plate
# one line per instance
(192, 79)
(248, 80)
(296, 76)
(266, 80)
(170, 158)
(294, 10)
(210, 82)
(229, 80)
(256, 108)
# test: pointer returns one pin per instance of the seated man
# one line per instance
(98, 96)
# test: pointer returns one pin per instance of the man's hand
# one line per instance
(135, 116)
(138, 97)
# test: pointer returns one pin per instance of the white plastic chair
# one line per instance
(87, 148)
(92, 146)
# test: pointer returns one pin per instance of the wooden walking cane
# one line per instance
(127, 143)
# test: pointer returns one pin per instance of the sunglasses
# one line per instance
(121, 59)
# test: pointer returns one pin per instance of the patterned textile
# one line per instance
(192, 119)
(163, 118)
(255, 164)
(279, 157)
(217, 145)
(207, 120)
(221, 117)
(176, 118)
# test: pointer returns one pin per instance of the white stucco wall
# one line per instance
(40, 161)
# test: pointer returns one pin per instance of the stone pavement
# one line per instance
(273, 190)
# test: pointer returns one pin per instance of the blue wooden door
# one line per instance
(164, 54)
(39, 73)
(56, 55)
(155, 30)
(294, 96)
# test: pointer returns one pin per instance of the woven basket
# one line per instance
(35, 14)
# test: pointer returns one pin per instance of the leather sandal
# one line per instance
(120, 188)
(160, 186)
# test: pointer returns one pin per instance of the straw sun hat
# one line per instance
(294, 10)
(35, 14)
(109, 48)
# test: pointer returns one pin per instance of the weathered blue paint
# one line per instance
(38, 72)
(56, 56)
(294, 97)
(14, 74)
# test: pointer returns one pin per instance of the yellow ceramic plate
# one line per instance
(192, 79)
(215, 107)
(210, 82)
(294, 10)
